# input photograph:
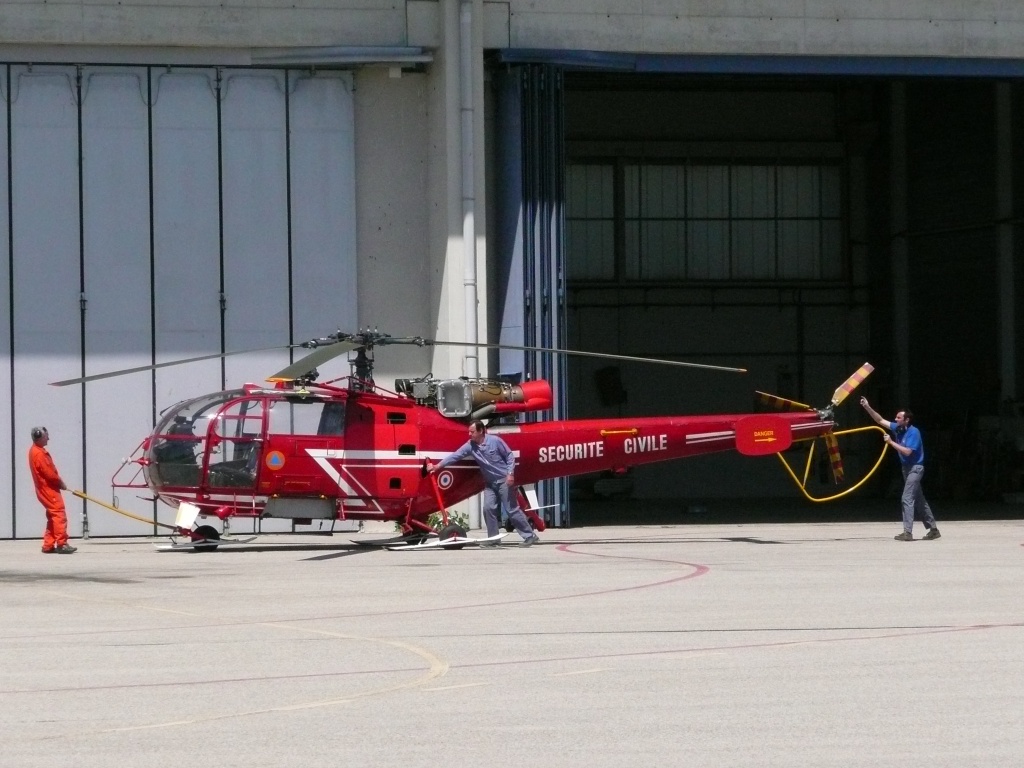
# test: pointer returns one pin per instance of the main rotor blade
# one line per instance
(169, 363)
(844, 389)
(577, 353)
(317, 357)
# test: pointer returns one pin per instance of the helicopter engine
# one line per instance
(477, 398)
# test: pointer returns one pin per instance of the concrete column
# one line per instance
(460, 316)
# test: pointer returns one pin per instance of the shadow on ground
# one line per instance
(587, 512)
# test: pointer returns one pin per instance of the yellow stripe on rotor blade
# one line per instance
(844, 389)
(835, 460)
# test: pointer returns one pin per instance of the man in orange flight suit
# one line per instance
(48, 487)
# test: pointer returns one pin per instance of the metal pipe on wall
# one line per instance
(467, 115)
(471, 365)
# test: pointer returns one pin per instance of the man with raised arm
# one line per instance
(906, 441)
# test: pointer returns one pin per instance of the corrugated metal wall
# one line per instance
(148, 214)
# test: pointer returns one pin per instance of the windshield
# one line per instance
(175, 452)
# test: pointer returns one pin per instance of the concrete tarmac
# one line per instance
(824, 644)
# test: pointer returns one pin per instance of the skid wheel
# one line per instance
(450, 531)
(212, 536)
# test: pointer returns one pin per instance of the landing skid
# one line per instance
(455, 542)
(394, 541)
(201, 545)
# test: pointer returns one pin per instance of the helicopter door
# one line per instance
(303, 437)
(236, 445)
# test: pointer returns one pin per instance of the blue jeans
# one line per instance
(914, 500)
(505, 495)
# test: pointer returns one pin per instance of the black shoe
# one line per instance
(933, 533)
(905, 536)
(530, 541)
(65, 549)
(48, 551)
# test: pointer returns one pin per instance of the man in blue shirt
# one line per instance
(906, 441)
(497, 464)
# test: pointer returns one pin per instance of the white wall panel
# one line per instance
(186, 232)
(115, 159)
(254, 141)
(47, 328)
(323, 207)
(255, 179)
(218, 195)
(6, 470)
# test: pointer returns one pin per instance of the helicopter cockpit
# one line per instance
(216, 441)
(220, 432)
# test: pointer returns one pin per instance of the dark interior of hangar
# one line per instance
(798, 227)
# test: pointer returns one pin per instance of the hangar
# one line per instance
(794, 187)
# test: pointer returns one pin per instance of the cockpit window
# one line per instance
(332, 420)
(235, 457)
(241, 419)
(312, 417)
(176, 452)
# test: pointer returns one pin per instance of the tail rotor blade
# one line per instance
(844, 389)
(835, 460)
(780, 403)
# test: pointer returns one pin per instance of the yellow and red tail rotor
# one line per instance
(843, 390)
(777, 403)
(834, 459)
(831, 438)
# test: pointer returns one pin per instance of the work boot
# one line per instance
(905, 536)
(65, 549)
(933, 533)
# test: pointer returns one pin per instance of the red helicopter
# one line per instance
(348, 449)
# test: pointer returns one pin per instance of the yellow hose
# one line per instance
(802, 486)
(112, 508)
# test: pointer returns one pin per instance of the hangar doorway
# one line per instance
(796, 225)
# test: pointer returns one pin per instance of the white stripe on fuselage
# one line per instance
(376, 456)
(344, 478)
(322, 455)
(709, 437)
